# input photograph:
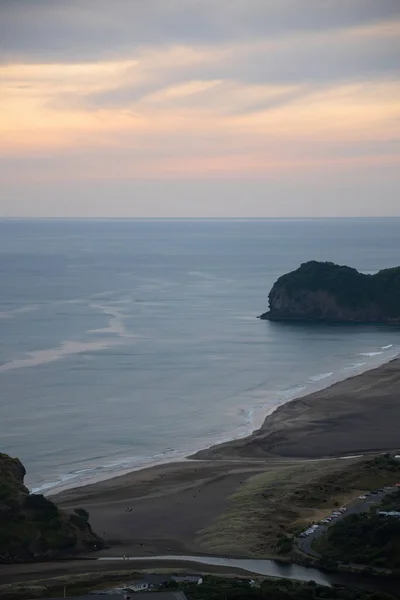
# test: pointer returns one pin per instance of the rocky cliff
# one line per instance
(323, 291)
(32, 527)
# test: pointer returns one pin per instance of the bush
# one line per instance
(39, 502)
(82, 513)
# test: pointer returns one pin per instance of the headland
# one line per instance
(327, 292)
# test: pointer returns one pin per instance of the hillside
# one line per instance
(324, 291)
(32, 527)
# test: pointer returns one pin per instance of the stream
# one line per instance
(273, 568)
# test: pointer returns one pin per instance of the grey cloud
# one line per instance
(308, 62)
(60, 30)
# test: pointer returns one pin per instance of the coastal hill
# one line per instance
(324, 291)
(32, 527)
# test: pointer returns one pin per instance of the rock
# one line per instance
(324, 291)
(32, 527)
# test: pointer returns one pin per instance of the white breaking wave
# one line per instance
(355, 366)
(321, 376)
(293, 391)
(387, 347)
(370, 354)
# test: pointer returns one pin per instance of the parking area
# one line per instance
(358, 505)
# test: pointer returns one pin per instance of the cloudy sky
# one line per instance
(179, 108)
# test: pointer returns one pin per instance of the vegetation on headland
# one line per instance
(331, 292)
(32, 527)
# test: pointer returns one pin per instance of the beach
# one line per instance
(167, 508)
(357, 415)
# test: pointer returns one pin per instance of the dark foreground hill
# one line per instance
(32, 527)
(324, 291)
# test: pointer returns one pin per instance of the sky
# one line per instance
(199, 108)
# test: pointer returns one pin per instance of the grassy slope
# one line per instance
(276, 504)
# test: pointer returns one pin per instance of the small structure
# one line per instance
(139, 585)
(389, 513)
(187, 578)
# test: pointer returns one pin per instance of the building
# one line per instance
(389, 513)
(189, 578)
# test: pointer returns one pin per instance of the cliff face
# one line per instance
(32, 527)
(12, 473)
(320, 305)
(328, 292)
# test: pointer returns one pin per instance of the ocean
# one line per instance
(125, 343)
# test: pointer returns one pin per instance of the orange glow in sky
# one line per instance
(306, 100)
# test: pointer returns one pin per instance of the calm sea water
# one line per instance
(125, 343)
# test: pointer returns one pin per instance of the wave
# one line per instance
(248, 414)
(355, 366)
(51, 484)
(91, 475)
(293, 391)
(370, 354)
(387, 347)
(321, 376)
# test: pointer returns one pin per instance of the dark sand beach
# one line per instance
(165, 508)
(160, 509)
(357, 415)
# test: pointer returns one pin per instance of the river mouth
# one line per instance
(275, 568)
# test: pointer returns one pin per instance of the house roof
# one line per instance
(157, 579)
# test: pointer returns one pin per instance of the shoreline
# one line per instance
(200, 506)
(181, 456)
(305, 427)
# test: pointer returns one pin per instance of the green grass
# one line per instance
(269, 508)
(256, 518)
